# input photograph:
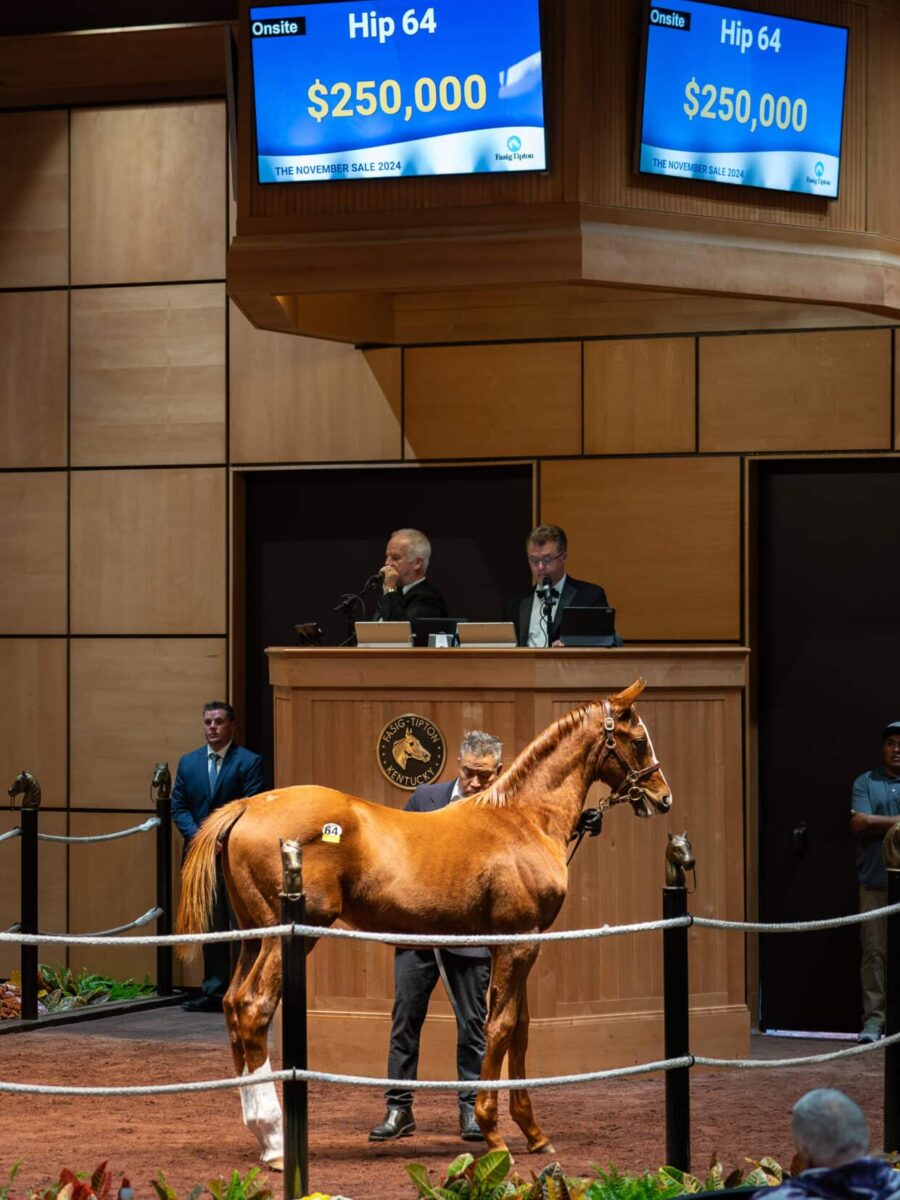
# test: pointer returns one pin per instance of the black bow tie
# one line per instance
(549, 593)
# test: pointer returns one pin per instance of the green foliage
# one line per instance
(238, 1187)
(13, 1172)
(165, 1191)
(670, 1181)
(61, 988)
(485, 1178)
(611, 1184)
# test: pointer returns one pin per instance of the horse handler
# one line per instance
(466, 970)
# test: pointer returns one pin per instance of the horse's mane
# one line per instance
(500, 793)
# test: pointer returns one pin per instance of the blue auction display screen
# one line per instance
(383, 88)
(741, 97)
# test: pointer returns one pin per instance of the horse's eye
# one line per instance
(640, 743)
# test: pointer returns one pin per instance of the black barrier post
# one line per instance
(293, 1027)
(892, 1019)
(164, 890)
(29, 913)
(677, 1042)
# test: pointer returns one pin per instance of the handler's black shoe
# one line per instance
(397, 1123)
(203, 1003)
(468, 1126)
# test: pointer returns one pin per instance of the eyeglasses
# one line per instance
(544, 560)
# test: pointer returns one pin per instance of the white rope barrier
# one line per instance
(429, 939)
(150, 915)
(448, 1085)
(317, 931)
(149, 824)
(798, 926)
(746, 1064)
(423, 1085)
(13, 833)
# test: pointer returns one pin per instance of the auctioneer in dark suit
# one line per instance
(576, 593)
(193, 799)
(422, 600)
(416, 972)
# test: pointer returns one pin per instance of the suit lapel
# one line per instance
(568, 595)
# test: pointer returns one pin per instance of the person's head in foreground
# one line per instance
(829, 1129)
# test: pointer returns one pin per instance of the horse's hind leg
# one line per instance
(519, 1100)
(250, 1005)
(249, 952)
(509, 975)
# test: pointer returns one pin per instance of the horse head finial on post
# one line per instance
(26, 786)
(679, 858)
(292, 866)
(161, 781)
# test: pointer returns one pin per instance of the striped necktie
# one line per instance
(213, 773)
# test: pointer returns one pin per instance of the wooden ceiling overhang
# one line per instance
(583, 272)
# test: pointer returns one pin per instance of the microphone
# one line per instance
(372, 582)
(546, 587)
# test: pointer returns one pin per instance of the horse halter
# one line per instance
(633, 775)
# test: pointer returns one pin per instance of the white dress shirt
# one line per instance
(537, 628)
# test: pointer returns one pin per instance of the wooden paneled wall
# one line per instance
(130, 394)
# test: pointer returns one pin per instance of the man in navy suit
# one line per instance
(466, 970)
(206, 779)
(547, 548)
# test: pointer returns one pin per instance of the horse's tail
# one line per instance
(198, 875)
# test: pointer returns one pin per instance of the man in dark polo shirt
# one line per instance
(875, 807)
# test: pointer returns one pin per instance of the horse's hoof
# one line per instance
(543, 1147)
(274, 1164)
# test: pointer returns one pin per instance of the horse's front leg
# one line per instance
(519, 1101)
(509, 973)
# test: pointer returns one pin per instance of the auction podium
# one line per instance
(594, 1003)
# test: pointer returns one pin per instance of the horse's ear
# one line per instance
(624, 700)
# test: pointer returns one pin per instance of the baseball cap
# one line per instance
(894, 727)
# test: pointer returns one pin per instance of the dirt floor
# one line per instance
(197, 1137)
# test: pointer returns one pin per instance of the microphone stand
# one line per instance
(346, 605)
(547, 606)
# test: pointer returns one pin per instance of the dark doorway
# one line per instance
(312, 535)
(828, 662)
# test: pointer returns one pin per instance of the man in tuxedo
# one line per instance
(547, 548)
(405, 592)
(466, 970)
(206, 779)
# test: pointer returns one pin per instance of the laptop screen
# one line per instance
(587, 623)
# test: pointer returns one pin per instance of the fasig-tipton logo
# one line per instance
(516, 153)
(411, 750)
(671, 18)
